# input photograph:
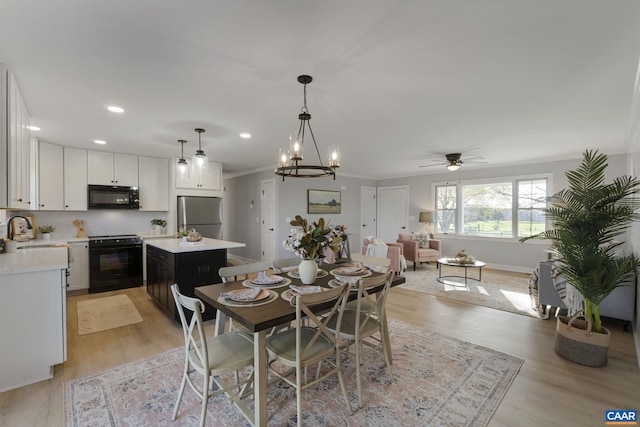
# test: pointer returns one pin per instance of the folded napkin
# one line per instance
(264, 279)
(305, 289)
(350, 271)
(242, 295)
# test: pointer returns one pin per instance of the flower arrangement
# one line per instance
(309, 241)
(44, 229)
(192, 235)
(183, 232)
(463, 258)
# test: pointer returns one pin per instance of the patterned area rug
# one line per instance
(505, 291)
(438, 381)
(100, 314)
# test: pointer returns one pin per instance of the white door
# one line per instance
(393, 212)
(367, 216)
(268, 212)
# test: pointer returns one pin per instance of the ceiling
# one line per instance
(396, 83)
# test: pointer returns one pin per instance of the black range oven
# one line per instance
(115, 262)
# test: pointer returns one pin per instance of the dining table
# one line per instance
(259, 319)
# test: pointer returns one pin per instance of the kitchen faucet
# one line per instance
(11, 231)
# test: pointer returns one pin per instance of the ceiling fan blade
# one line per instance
(475, 159)
(436, 164)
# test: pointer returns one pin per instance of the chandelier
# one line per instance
(289, 159)
(200, 162)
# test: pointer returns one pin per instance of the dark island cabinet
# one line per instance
(188, 269)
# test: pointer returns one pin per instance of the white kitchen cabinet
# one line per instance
(154, 183)
(50, 177)
(211, 180)
(19, 142)
(32, 326)
(78, 279)
(112, 169)
(75, 179)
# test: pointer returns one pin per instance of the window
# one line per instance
(487, 210)
(505, 208)
(532, 199)
(446, 209)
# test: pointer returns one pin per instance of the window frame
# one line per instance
(459, 214)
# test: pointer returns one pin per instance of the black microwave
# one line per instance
(113, 197)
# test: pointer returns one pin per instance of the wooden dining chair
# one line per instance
(378, 264)
(210, 357)
(282, 265)
(367, 324)
(307, 345)
(242, 271)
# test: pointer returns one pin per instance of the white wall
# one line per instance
(291, 200)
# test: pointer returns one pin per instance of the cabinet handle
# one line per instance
(19, 200)
(66, 206)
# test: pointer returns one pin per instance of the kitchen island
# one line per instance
(33, 323)
(188, 264)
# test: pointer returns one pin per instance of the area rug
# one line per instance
(503, 291)
(437, 381)
(100, 314)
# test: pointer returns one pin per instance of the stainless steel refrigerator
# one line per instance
(202, 213)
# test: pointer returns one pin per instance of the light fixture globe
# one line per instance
(182, 166)
(289, 161)
(200, 161)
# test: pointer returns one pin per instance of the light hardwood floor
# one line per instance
(548, 390)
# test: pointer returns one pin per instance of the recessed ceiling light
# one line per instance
(245, 135)
(99, 141)
(33, 128)
(115, 109)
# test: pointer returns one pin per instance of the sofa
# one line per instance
(619, 304)
(394, 253)
(413, 252)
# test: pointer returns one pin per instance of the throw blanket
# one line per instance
(567, 293)
(377, 251)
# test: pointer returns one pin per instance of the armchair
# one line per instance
(394, 253)
(412, 252)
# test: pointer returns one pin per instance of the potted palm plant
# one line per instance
(588, 215)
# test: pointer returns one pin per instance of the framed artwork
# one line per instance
(19, 227)
(323, 202)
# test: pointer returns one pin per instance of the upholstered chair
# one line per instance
(413, 252)
(394, 253)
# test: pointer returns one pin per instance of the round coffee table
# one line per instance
(452, 263)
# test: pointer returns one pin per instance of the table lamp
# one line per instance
(427, 218)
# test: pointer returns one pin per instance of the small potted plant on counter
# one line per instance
(46, 230)
(158, 225)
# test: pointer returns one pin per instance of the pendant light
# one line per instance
(200, 162)
(289, 159)
(182, 162)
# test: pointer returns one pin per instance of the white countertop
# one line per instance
(34, 259)
(174, 245)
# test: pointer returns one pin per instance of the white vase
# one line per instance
(46, 236)
(308, 270)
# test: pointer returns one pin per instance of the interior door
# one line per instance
(368, 226)
(268, 212)
(393, 212)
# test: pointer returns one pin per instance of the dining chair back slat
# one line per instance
(231, 273)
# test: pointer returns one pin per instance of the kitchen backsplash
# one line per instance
(96, 223)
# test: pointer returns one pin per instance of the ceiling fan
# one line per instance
(454, 161)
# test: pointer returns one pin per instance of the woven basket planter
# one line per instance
(576, 342)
